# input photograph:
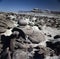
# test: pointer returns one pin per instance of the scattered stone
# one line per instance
(36, 37)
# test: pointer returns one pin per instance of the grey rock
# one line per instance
(22, 22)
(36, 37)
(19, 54)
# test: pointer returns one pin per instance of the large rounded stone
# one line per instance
(37, 37)
(27, 31)
(19, 54)
(22, 22)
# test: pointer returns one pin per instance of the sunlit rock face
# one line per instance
(7, 32)
(20, 55)
(37, 37)
(23, 21)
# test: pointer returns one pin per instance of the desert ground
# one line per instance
(30, 35)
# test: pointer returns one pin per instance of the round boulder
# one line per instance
(22, 22)
(36, 37)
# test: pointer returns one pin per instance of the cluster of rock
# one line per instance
(29, 37)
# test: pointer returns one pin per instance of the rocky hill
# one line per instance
(30, 35)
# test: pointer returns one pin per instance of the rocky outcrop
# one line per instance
(35, 37)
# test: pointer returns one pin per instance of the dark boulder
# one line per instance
(54, 46)
(57, 36)
(38, 56)
(21, 33)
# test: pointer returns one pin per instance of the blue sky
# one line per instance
(16, 5)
